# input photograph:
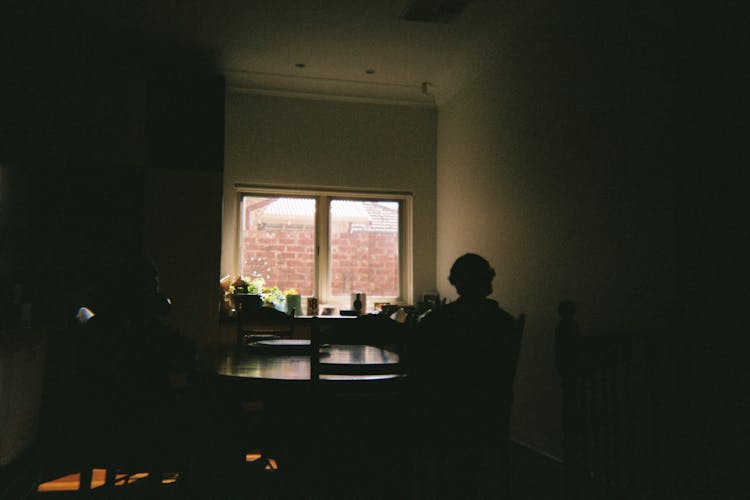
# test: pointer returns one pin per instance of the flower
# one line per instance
(272, 295)
(254, 285)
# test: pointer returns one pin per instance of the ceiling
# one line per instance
(355, 49)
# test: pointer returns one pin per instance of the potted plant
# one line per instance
(255, 285)
(272, 297)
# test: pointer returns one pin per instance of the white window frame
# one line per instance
(323, 197)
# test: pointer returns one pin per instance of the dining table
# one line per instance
(287, 361)
(275, 374)
(272, 381)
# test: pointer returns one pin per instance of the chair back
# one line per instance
(613, 433)
(516, 344)
(355, 435)
(369, 330)
(262, 322)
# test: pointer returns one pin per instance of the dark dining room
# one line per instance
(418, 249)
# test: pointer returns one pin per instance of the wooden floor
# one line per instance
(535, 477)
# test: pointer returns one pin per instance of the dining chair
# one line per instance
(96, 417)
(195, 449)
(357, 411)
(462, 423)
(263, 323)
(87, 440)
(515, 345)
(369, 330)
(602, 429)
(499, 486)
(257, 324)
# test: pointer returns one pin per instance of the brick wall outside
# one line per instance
(283, 258)
(361, 261)
(364, 261)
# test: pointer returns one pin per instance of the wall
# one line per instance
(306, 143)
(556, 166)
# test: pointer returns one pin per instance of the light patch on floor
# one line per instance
(271, 463)
(72, 482)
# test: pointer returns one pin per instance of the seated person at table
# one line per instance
(463, 380)
(132, 350)
(131, 364)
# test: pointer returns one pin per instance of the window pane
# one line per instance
(278, 241)
(364, 247)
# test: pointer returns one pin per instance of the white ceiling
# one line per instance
(257, 44)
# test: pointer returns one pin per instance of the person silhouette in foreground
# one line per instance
(134, 367)
(136, 358)
(463, 368)
(139, 400)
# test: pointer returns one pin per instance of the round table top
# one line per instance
(289, 359)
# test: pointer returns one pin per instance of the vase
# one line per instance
(294, 303)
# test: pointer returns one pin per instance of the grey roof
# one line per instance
(370, 216)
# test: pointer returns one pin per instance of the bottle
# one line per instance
(358, 305)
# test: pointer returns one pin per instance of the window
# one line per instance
(327, 244)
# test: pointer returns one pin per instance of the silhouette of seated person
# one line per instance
(132, 365)
(463, 364)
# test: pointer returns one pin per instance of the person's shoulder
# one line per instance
(444, 312)
(505, 315)
(495, 315)
(437, 318)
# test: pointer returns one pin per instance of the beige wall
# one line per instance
(555, 166)
(301, 143)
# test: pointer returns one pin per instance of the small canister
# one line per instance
(312, 306)
(294, 304)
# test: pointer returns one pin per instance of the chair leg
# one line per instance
(110, 476)
(85, 478)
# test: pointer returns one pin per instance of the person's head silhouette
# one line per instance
(129, 286)
(472, 276)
